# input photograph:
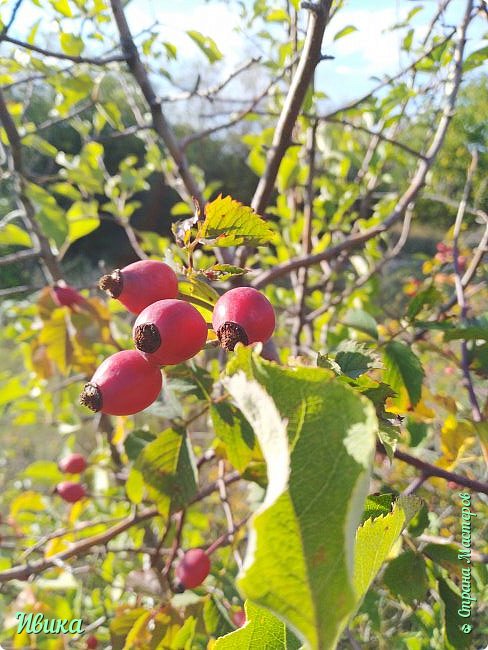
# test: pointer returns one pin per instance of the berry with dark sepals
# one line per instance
(243, 315)
(193, 568)
(124, 384)
(92, 642)
(70, 492)
(169, 332)
(66, 296)
(73, 464)
(140, 284)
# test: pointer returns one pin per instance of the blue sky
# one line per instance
(372, 50)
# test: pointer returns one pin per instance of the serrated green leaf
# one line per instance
(232, 428)
(13, 235)
(168, 471)
(206, 44)
(323, 361)
(403, 369)
(377, 505)
(261, 627)
(229, 223)
(349, 29)
(375, 539)
(302, 538)
(406, 577)
(362, 321)
(354, 359)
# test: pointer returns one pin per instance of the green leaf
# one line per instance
(377, 505)
(407, 41)
(475, 59)
(235, 432)
(62, 7)
(361, 321)
(375, 539)
(229, 223)
(168, 471)
(324, 361)
(136, 441)
(71, 44)
(12, 235)
(43, 471)
(403, 369)
(222, 272)
(82, 219)
(261, 627)
(206, 44)
(454, 637)
(406, 577)
(354, 359)
(277, 16)
(445, 555)
(302, 537)
(426, 298)
(349, 29)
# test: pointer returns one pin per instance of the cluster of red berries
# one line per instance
(167, 331)
(71, 491)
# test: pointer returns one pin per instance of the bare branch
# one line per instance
(309, 59)
(160, 124)
(468, 381)
(61, 55)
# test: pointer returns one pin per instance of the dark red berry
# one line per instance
(91, 642)
(140, 284)
(123, 384)
(193, 568)
(169, 332)
(243, 315)
(66, 296)
(73, 464)
(239, 618)
(70, 492)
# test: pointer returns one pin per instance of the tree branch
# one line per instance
(409, 196)
(43, 248)
(309, 60)
(160, 124)
(61, 55)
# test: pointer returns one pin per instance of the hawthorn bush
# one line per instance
(265, 433)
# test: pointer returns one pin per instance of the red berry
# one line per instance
(91, 642)
(123, 384)
(70, 492)
(243, 315)
(193, 568)
(73, 464)
(239, 618)
(66, 296)
(169, 332)
(140, 284)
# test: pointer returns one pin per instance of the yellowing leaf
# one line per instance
(12, 235)
(27, 501)
(71, 44)
(229, 223)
